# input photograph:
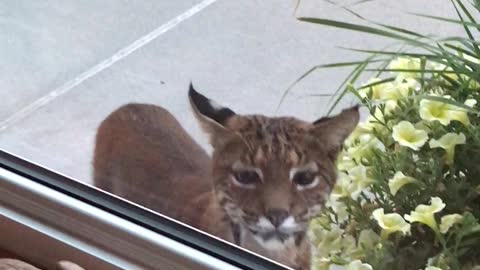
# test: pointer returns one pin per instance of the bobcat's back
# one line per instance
(144, 155)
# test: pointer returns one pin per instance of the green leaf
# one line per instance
(359, 2)
(395, 53)
(315, 68)
(433, 71)
(476, 4)
(390, 27)
(469, 33)
(391, 79)
(349, 80)
(369, 30)
(444, 19)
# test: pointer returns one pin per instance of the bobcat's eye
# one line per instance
(246, 178)
(305, 179)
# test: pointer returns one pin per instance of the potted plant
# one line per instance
(408, 188)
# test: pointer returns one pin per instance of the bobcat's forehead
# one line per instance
(283, 138)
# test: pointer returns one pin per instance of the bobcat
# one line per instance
(267, 177)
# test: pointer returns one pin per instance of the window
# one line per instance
(114, 148)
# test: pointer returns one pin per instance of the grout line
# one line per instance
(119, 55)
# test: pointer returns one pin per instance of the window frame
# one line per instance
(61, 203)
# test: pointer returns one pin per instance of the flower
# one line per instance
(340, 209)
(459, 114)
(363, 128)
(434, 110)
(409, 64)
(368, 239)
(349, 245)
(340, 190)
(327, 241)
(321, 264)
(448, 142)
(363, 149)
(344, 162)
(375, 91)
(432, 268)
(425, 213)
(360, 180)
(399, 89)
(388, 92)
(407, 135)
(398, 181)
(358, 265)
(390, 223)
(448, 221)
(470, 102)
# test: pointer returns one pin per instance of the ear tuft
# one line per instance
(334, 130)
(353, 112)
(209, 108)
(212, 118)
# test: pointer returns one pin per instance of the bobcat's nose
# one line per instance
(276, 216)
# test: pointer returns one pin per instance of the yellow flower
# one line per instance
(448, 71)
(363, 128)
(408, 64)
(349, 245)
(448, 142)
(359, 181)
(448, 221)
(358, 265)
(432, 268)
(388, 93)
(398, 89)
(340, 209)
(398, 181)
(320, 263)
(340, 190)
(326, 241)
(407, 135)
(375, 91)
(433, 110)
(358, 174)
(425, 213)
(330, 242)
(459, 114)
(390, 223)
(367, 143)
(344, 162)
(367, 239)
(374, 120)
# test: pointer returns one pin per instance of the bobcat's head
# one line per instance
(272, 174)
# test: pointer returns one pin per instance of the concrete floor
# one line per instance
(66, 64)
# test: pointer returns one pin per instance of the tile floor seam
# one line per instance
(89, 73)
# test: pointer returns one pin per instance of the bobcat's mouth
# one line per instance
(276, 238)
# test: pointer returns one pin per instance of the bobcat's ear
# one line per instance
(333, 131)
(212, 117)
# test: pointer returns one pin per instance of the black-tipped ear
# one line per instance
(334, 130)
(212, 117)
(209, 108)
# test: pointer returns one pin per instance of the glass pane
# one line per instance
(70, 69)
